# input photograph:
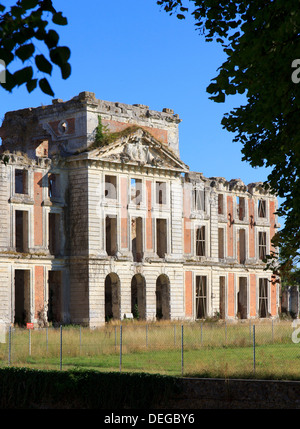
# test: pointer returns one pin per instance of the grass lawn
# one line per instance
(208, 350)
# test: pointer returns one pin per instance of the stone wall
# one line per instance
(236, 394)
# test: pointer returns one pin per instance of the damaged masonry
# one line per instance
(95, 230)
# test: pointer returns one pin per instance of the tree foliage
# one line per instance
(22, 28)
(261, 41)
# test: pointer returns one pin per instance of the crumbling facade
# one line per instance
(97, 229)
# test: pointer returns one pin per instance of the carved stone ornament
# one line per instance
(135, 150)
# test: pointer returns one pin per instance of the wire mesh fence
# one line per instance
(216, 349)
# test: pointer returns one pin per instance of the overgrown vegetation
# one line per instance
(26, 388)
(215, 349)
(104, 137)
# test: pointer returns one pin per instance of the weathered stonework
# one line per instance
(91, 231)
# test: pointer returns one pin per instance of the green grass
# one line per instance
(214, 349)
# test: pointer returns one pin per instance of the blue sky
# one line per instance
(133, 52)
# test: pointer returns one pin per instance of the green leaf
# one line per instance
(31, 85)
(29, 4)
(51, 39)
(25, 51)
(59, 19)
(46, 5)
(23, 75)
(45, 87)
(43, 64)
(65, 70)
(60, 55)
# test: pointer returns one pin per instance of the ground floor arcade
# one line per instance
(51, 294)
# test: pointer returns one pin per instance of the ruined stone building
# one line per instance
(100, 219)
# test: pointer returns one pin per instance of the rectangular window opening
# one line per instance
(55, 297)
(199, 199)
(136, 191)
(241, 208)
(21, 231)
(220, 204)
(222, 296)
(161, 237)
(200, 241)
(221, 243)
(21, 181)
(263, 298)
(242, 298)
(242, 246)
(54, 234)
(137, 239)
(201, 297)
(53, 185)
(161, 193)
(262, 208)
(262, 245)
(111, 235)
(22, 297)
(110, 190)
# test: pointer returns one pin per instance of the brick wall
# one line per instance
(116, 126)
(38, 289)
(188, 293)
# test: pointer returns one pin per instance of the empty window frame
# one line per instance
(262, 209)
(136, 191)
(110, 190)
(161, 192)
(21, 231)
(22, 297)
(161, 237)
(53, 185)
(55, 314)
(111, 243)
(262, 245)
(221, 246)
(263, 298)
(21, 181)
(200, 241)
(222, 293)
(54, 233)
(242, 246)
(199, 199)
(220, 204)
(201, 297)
(241, 211)
(137, 238)
(242, 299)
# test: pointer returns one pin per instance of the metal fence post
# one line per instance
(120, 348)
(201, 332)
(254, 348)
(9, 346)
(29, 335)
(80, 339)
(60, 347)
(174, 335)
(181, 349)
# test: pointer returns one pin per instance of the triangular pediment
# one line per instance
(140, 148)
